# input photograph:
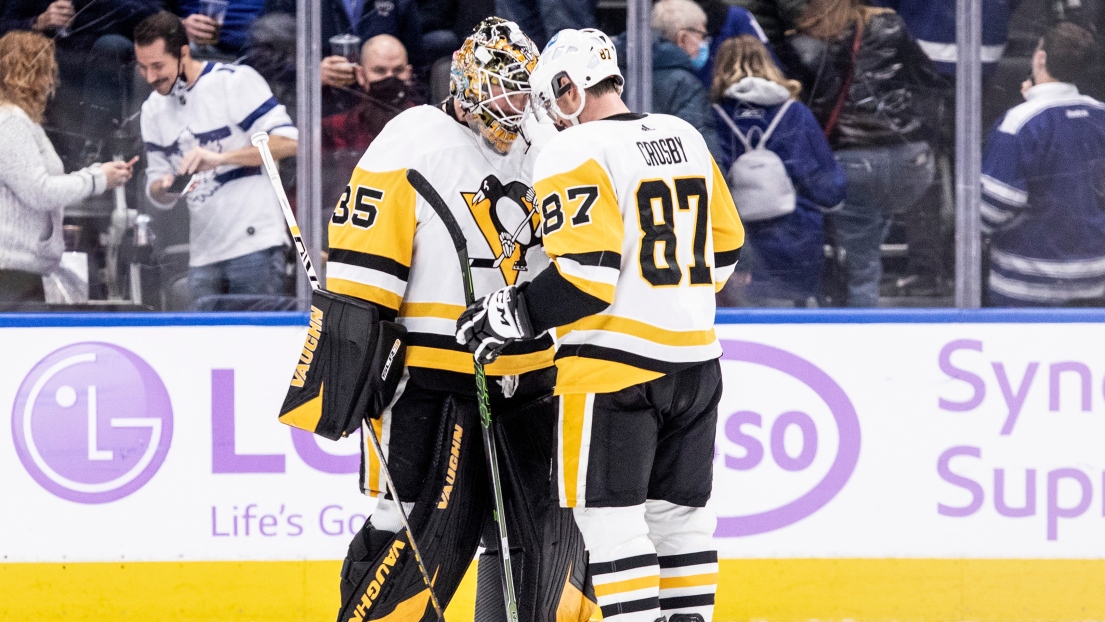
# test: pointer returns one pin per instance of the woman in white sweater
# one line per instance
(34, 188)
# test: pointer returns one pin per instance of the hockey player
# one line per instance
(388, 247)
(642, 231)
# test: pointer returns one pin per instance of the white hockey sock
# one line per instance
(621, 562)
(683, 537)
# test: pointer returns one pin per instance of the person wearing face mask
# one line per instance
(680, 48)
(197, 124)
(386, 89)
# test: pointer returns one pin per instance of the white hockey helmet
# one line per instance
(490, 79)
(586, 57)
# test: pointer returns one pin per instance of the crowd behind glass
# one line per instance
(856, 99)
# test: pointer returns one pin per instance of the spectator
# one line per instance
(933, 24)
(231, 36)
(34, 189)
(786, 253)
(95, 64)
(1043, 195)
(385, 77)
(366, 19)
(199, 120)
(680, 47)
(723, 22)
(439, 35)
(271, 51)
(776, 17)
(541, 19)
(863, 74)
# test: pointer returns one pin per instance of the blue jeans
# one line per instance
(261, 273)
(882, 182)
(541, 19)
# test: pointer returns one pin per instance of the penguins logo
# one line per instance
(508, 221)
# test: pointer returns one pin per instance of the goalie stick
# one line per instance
(423, 187)
(261, 141)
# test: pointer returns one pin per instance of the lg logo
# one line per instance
(788, 440)
(92, 422)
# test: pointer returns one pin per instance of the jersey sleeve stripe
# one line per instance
(602, 291)
(727, 258)
(257, 113)
(598, 274)
(366, 276)
(370, 293)
(370, 261)
(604, 259)
(721, 275)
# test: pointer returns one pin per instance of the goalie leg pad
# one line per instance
(547, 552)
(446, 522)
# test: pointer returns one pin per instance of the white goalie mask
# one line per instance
(585, 57)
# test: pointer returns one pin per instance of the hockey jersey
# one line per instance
(233, 209)
(387, 245)
(635, 213)
(1043, 198)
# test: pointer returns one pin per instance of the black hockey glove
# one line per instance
(494, 322)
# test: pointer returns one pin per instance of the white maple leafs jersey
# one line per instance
(388, 246)
(635, 212)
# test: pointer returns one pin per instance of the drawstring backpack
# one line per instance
(758, 179)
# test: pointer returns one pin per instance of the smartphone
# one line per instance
(181, 184)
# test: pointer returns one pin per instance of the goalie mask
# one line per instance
(580, 57)
(490, 79)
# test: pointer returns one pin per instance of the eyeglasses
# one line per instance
(702, 33)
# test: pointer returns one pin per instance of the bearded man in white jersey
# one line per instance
(642, 231)
(388, 247)
(198, 122)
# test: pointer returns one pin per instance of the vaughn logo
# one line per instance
(788, 437)
(307, 356)
(454, 463)
(92, 422)
(372, 592)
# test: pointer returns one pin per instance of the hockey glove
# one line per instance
(494, 322)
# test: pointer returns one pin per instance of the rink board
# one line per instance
(941, 465)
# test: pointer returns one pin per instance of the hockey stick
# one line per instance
(261, 141)
(423, 187)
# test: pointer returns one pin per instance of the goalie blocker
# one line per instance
(348, 370)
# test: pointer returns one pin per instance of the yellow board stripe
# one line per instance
(370, 293)
(461, 362)
(431, 309)
(629, 585)
(877, 590)
(641, 330)
(694, 580)
(573, 411)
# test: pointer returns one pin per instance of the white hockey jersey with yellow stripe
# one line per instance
(636, 213)
(388, 246)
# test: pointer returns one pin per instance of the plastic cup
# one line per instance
(348, 46)
(216, 10)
